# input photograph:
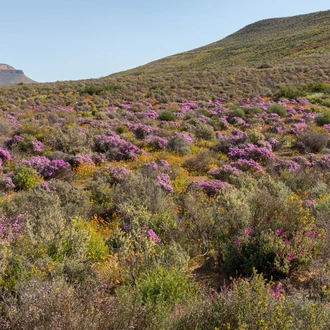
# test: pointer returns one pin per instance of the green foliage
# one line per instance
(179, 144)
(96, 90)
(25, 177)
(235, 111)
(164, 287)
(205, 132)
(322, 118)
(286, 241)
(167, 115)
(316, 87)
(277, 108)
(204, 112)
(252, 111)
(312, 141)
(291, 93)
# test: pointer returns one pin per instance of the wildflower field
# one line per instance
(126, 212)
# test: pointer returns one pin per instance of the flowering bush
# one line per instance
(115, 147)
(251, 151)
(6, 182)
(44, 166)
(223, 172)
(163, 180)
(210, 187)
(156, 142)
(11, 227)
(276, 246)
(247, 165)
(37, 146)
(5, 155)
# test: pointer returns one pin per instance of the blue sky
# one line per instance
(80, 39)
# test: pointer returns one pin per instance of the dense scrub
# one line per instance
(126, 203)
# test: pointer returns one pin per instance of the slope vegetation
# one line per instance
(267, 40)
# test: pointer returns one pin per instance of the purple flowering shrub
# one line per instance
(118, 174)
(251, 151)
(224, 172)
(115, 147)
(37, 146)
(278, 245)
(180, 142)
(247, 165)
(5, 155)
(156, 142)
(286, 164)
(163, 180)
(6, 182)
(159, 171)
(141, 131)
(211, 188)
(11, 227)
(225, 142)
(44, 166)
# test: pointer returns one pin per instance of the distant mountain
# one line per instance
(269, 40)
(11, 76)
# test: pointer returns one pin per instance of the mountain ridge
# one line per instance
(265, 40)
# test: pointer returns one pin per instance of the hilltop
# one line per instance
(10, 76)
(271, 40)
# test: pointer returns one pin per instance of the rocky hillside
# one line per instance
(10, 76)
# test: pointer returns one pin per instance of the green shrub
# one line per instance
(326, 102)
(322, 118)
(200, 163)
(121, 129)
(316, 87)
(311, 141)
(204, 112)
(163, 286)
(96, 90)
(25, 177)
(179, 144)
(205, 132)
(277, 108)
(253, 111)
(275, 243)
(167, 115)
(291, 93)
(235, 111)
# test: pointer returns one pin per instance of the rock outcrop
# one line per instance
(10, 76)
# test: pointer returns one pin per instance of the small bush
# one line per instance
(322, 118)
(179, 144)
(253, 111)
(291, 93)
(167, 115)
(96, 90)
(277, 108)
(25, 178)
(163, 286)
(205, 132)
(200, 163)
(235, 111)
(312, 141)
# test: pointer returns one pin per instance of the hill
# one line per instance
(10, 76)
(271, 40)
